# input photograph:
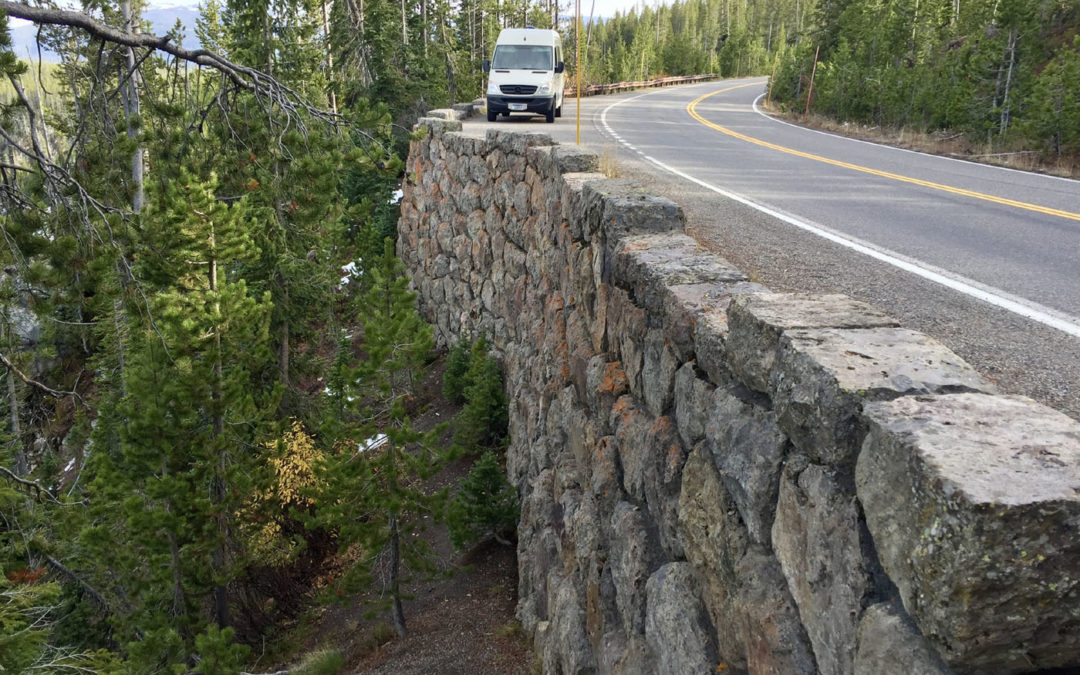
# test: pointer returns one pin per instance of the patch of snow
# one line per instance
(376, 441)
(351, 271)
(396, 197)
(326, 390)
(70, 465)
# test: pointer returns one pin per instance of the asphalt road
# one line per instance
(987, 260)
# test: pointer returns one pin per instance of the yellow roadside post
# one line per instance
(577, 43)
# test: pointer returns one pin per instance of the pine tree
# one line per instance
(397, 340)
(457, 366)
(172, 485)
(373, 485)
(376, 498)
(485, 506)
(483, 421)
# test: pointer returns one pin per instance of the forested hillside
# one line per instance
(1003, 72)
(210, 350)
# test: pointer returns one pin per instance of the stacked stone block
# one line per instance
(716, 477)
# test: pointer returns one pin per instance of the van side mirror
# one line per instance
(487, 65)
(559, 67)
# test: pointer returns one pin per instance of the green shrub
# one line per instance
(485, 507)
(483, 422)
(457, 366)
(322, 662)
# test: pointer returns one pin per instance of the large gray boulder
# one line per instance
(677, 630)
(748, 447)
(635, 555)
(757, 623)
(756, 322)
(819, 542)
(890, 644)
(823, 376)
(973, 502)
(562, 640)
(714, 539)
(692, 396)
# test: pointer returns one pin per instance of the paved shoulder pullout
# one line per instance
(803, 210)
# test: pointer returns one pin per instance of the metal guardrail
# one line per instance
(600, 89)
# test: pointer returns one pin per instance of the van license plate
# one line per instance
(516, 106)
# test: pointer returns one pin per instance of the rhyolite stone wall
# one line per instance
(718, 478)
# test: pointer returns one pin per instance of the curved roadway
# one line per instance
(983, 258)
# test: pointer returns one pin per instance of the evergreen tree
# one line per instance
(457, 367)
(373, 485)
(189, 415)
(397, 340)
(375, 497)
(483, 421)
(485, 506)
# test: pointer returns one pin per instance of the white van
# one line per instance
(526, 73)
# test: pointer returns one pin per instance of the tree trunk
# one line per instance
(451, 79)
(1005, 102)
(329, 56)
(396, 611)
(21, 467)
(283, 355)
(914, 25)
(221, 601)
(179, 599)
(132, 109)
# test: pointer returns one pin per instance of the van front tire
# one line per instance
(492, 115)
(558, 111)
(550, 114)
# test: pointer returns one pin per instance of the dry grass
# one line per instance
(609, 161)
(511, 630)
(945, 143)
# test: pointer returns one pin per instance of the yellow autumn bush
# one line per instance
(292, 460)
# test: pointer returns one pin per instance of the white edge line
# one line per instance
(1025, 308)
(769, 117)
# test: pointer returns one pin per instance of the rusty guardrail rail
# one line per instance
(600, 89)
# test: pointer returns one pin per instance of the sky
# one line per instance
(603, 7)
(608, 7)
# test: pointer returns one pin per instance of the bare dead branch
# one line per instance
(251, 79)
(34, 489)
(38, 385)
(58, 567)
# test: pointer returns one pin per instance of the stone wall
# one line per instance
(717, 478)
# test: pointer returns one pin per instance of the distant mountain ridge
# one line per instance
(162, 20)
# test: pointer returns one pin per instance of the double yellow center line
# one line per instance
(692, 109)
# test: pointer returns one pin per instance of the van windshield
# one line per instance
(522, 57)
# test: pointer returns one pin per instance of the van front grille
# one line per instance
(517, 89)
